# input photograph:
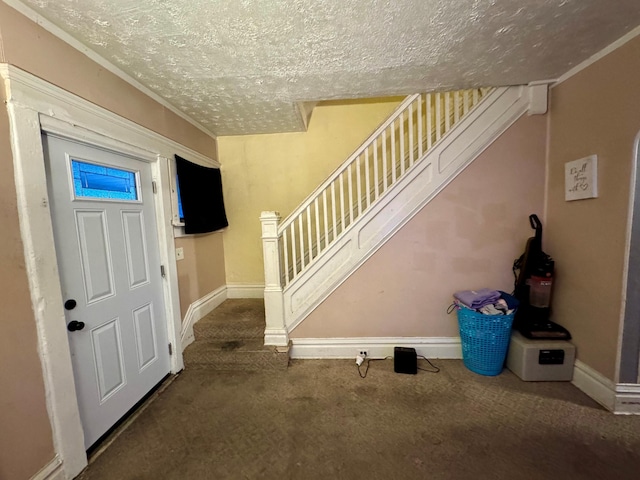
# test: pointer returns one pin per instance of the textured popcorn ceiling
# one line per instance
(240, 66)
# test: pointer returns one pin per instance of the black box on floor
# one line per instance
(405, 360)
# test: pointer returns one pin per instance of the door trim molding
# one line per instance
(34, 105)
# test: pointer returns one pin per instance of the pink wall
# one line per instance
(597, 111)
(25, 431)
(467, 237)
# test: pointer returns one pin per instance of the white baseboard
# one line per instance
(199, 309)
(621, 399)
(627, 399)
(376, 347)
(245, 290)
(51, 471)
(276, 337)
(594, 384)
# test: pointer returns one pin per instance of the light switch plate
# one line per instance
(179, 253)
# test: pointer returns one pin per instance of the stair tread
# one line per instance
(231, 337)
(233, 320)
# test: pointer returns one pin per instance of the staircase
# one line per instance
(426, 142)
(231, 337)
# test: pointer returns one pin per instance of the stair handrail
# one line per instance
(400, 109)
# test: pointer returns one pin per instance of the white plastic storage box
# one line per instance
(541, 360)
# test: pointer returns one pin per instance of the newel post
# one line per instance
(276, 331)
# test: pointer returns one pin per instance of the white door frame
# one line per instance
(34, 106)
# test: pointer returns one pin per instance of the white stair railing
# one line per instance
(414, 128)
(383, 159)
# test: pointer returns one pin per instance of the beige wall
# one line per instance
(25, 432)
(596, 111)
(276, 172)
(202, 269)
(467, 237)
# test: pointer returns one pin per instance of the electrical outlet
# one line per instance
(179, 253)
(360, 356)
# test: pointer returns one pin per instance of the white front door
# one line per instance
(106, 241)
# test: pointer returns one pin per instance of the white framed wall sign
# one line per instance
(581, 178)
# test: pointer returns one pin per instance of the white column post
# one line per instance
(276, 331)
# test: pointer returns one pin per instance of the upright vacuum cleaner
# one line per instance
(533, 273)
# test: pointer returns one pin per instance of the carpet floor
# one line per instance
(318, 419)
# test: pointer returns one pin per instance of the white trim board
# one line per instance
(199, 309)
(627, 399)
(594, 384)
(597, 56)
(621, 399)
(245, 290)
(33, 106)
(51, 471)
(103, 62)
(376, 347)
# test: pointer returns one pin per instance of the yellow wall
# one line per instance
(26, 443)
(277, 172)
(597, 111)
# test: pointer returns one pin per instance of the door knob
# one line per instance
(70, 304)
(75, 325)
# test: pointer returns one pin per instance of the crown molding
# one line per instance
(597, 56)
(103, 62)
(26, 89)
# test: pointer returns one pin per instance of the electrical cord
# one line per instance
(367, 367)
(366, 370)
(435, 369)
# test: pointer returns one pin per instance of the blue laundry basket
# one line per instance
(485, 340)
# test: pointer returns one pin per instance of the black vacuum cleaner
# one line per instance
(533, 273)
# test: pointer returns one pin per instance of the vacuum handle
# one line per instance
(536, 224)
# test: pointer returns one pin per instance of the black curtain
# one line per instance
(201, 195)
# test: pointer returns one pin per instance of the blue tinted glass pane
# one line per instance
(179, 200)
(96, 181)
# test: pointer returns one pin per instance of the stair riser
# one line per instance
(245, 361)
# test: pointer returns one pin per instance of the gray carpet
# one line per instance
(319, 420)
(231, 337)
